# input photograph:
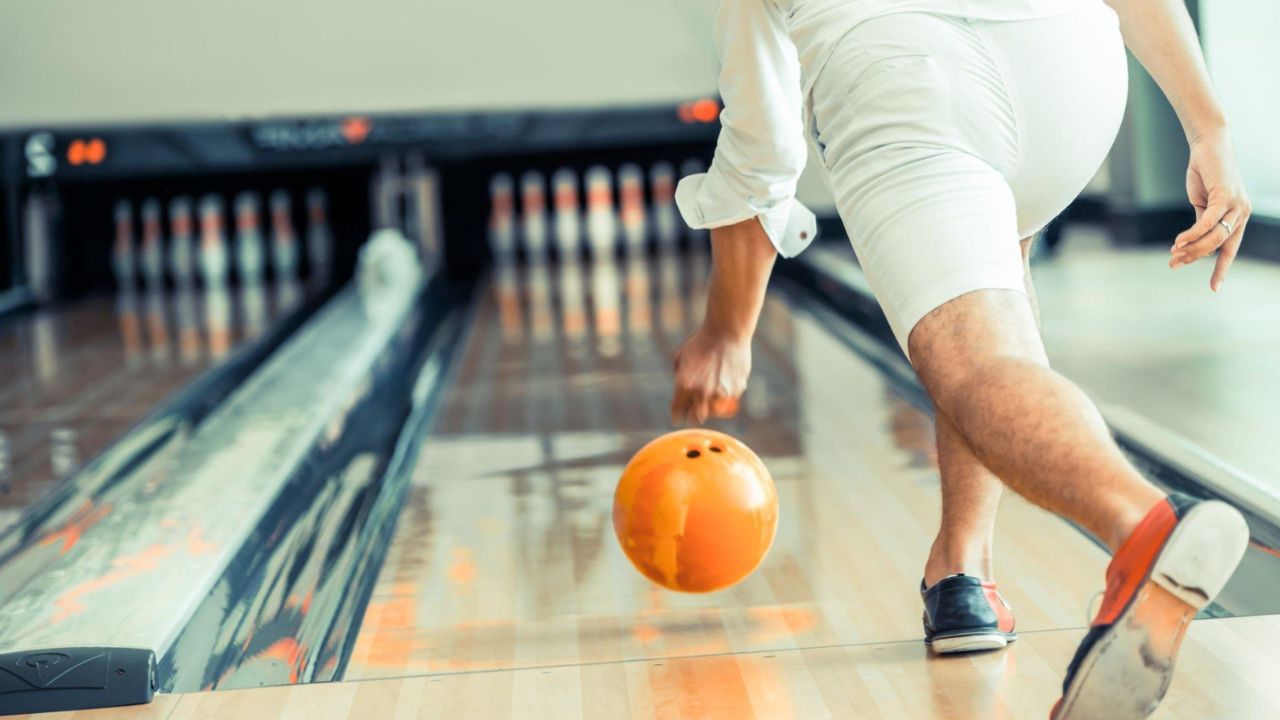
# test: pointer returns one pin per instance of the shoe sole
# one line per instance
(970, 643)
(1127, 671)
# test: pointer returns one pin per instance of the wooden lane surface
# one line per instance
(1227, 670)
(505, 555)
(79, 376)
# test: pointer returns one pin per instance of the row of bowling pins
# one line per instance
(604, 225)
(211, 259)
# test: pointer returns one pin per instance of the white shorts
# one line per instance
(947, 140)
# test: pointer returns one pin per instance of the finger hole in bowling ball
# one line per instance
(691, 454)
(716, 449)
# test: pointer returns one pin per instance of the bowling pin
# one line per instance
(122, 252)
(250, 252)
(631, 209)
(182, 258)
(424, 199)
(568, 217)
(666, 219)
(214, 256)
(386, 190)
(602, 225)
(502, 231)
(41, 244)
(284, 241)
(151, 251)
(533, 215)
(319, 238)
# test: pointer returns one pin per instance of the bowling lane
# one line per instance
(504, 556)
(76, 377)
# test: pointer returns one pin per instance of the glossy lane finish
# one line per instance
(285, 609)
(505, 557)
(76, 377)
(151, 550)
(695, 510)
(1226, 671)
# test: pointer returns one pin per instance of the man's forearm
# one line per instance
(1160, 34)
(742, 258)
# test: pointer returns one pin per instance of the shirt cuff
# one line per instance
(789, 225)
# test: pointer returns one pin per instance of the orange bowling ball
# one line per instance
(695, 510)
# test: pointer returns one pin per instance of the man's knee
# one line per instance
(961, 344)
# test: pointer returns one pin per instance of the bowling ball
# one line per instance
(695, 510)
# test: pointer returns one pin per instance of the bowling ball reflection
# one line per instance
(695, 511)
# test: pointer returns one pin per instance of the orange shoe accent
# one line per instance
(1004, 616)
(1129, 568)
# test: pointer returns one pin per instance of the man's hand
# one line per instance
(1222, 207)
(711, 374)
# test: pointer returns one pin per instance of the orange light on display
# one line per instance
(705, 110)
(95, 151)
(87, 152)
(355, 130)
(695, 511)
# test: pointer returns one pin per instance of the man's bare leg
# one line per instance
(970, 492)
(982, 361)
(970, 499)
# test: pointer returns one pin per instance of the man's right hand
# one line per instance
(710, 376)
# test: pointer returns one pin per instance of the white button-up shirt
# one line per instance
(770, 52)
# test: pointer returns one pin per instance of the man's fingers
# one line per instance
(1203, 226)
(694, 405)
(700, 408)
(679, 406)
(1207, 243)
(1226, 256)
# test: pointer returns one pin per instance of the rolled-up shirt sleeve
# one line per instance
(761, 150)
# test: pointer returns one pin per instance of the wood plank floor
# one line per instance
(1227, 670)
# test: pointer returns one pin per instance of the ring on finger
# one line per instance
(1226, 226)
